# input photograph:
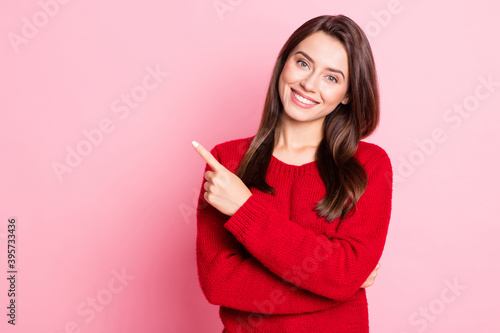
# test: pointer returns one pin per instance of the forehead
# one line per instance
(325, 50)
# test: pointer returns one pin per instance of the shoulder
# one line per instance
(229, 153)
(371, 155)
(240, 145)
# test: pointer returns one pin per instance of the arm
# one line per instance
(232, 278)
(334, 267)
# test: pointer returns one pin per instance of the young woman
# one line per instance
(291, 222)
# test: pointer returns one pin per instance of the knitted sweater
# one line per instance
(275, 266)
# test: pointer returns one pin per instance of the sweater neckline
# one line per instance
(281, 167)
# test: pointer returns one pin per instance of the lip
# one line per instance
(305, 96)
(299, 103)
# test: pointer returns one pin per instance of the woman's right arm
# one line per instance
(231, 278)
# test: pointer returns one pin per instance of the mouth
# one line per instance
(304, 100)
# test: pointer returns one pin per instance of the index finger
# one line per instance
(207, 156)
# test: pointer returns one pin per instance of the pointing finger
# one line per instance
(207, 156)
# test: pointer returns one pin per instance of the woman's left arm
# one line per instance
(334, 267)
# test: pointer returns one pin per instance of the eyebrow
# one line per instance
(328, 68)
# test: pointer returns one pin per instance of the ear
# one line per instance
(347, 99)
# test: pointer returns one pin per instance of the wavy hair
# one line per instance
(344, 177)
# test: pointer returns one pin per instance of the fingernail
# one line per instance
(195, 144)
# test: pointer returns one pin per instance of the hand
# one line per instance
(371, 279)
(224, 190)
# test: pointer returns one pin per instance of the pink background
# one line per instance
(128, 204)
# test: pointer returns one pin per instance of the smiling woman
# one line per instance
(293, 231)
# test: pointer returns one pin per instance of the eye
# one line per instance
(332, 78)
(300, 62)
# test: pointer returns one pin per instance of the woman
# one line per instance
(292, 221)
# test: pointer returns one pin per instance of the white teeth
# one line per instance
(302, 99)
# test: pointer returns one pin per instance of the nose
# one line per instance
(309, 82)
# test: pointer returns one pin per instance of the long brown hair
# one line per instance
(344, 177)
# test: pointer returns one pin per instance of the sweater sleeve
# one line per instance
(229, 276)
(336, 266)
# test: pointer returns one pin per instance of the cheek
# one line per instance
(281, 85)
(334, 97)
(289, 74)
(284, 79)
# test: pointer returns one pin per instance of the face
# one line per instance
(314, 79)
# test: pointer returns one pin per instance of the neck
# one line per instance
(295, 136)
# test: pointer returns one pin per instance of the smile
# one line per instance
(303, 101)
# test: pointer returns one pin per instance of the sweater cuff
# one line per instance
(247, 216)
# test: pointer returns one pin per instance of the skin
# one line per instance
(301, 128)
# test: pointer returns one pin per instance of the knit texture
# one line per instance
(276, 266)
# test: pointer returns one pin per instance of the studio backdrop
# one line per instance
(99, 103)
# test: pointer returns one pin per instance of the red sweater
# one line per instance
(275, 266)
